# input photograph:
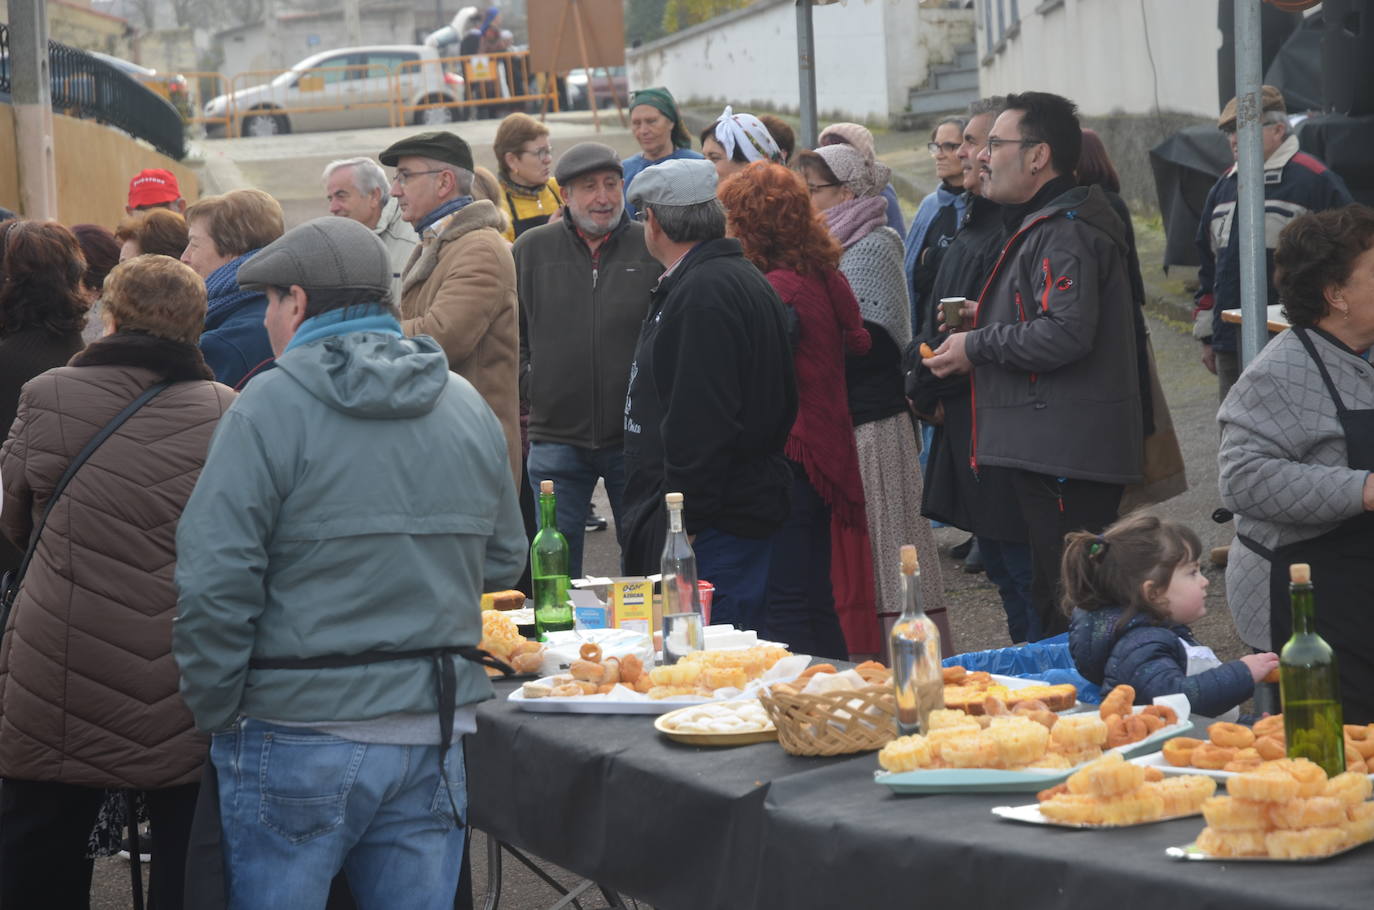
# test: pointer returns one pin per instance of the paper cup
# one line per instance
(954, 311)
(706, 592)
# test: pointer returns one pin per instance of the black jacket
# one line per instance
(712, 397)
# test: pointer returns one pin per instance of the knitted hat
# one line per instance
(862, 175)
(850, 134)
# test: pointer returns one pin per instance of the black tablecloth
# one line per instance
(608, 797)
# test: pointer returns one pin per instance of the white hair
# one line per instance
(367, 175)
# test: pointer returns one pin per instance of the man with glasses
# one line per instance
(1295, 183)
(1052, 350)
(584, 284)
(459, 285)
(938, 216)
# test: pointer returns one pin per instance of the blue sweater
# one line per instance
(1150, 658)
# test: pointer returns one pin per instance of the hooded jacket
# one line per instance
(305, 537)
(88, 686)
(1149, 657)
(1055, 384)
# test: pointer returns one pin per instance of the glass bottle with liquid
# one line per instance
(682, 623)
(915, 645)
(549, 568)
(1308, 685)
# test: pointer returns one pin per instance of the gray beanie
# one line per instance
(325, 253)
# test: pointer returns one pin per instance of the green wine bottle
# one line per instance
(549, 568)
(1308, 685)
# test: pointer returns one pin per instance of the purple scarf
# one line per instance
(852, 221)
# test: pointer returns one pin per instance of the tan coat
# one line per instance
(88, 685)
(459, 288)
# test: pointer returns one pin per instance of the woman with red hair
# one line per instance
(768, 209)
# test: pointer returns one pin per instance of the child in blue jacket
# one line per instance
(1132, 591)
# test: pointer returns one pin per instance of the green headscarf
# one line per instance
(661, 100)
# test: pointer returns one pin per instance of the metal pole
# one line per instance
(31, 91)
(1254, 279)
(353, 25)
(806, 69)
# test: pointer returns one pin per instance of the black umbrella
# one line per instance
(1186, 166)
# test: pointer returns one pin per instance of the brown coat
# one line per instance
(459, 288)
(88, 685)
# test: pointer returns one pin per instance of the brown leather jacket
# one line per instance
(88, 686)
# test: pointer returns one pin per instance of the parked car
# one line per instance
(171, 86)
(576, 86)
(348, 88)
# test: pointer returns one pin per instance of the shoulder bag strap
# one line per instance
(105, 433)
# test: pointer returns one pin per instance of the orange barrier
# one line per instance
(488, 80)
(201, 88)
(268, 102)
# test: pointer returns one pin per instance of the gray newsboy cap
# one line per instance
(584, 158)
(441, 145)
(681, 181)
(329, 252)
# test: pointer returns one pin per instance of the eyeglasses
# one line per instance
(994, 142)
(404, 177)
(949, 148)
(543, 154)
(817, 187)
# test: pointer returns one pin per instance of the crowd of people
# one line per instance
(255, 479)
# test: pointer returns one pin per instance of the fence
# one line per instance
(267, 102)
(489, 80)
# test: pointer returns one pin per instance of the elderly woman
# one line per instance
(734, 141)
(1297, 451)
(88, 686)
(847, 187)
(529, 195)
(858, 136)
(223, 233)
(769, 211)
(657, 127)
(160, 232)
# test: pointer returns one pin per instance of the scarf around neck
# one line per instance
(855, 219)
(222, 289)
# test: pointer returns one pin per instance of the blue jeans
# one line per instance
(738, 567)
(574, 472)
(801, 600)
(297, 805)
(1009, 567)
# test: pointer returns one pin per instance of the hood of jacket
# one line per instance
(363, 367)
(1089, 205)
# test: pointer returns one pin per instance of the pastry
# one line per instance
(1117, 701)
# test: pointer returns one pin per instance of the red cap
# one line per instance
(153, 186)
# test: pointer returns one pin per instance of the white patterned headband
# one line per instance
(747, 133)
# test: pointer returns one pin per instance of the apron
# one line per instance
(1201, 659)
(1341, 561)
(521, 225)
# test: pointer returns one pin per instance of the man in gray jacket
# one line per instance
(358, 188)
(329, 596)
(1052, 348)
(584, 284)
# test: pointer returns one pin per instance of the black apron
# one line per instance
(521, 225)
(1341, 561)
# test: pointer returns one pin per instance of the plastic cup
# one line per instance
(954, 311)
(705, 593)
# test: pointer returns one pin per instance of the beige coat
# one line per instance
(459, 288)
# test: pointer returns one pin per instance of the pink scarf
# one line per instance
(852, 221)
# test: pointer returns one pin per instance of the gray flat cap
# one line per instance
(328, 252)
(585, 158)
(681, 181)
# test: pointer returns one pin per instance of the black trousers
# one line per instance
(1052, 507)
(44, 827)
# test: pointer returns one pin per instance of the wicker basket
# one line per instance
(826, 724)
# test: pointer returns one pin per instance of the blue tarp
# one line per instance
(1048, 661)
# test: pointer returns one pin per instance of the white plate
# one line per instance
(1156, 760)
(1032, 815)
(1191, 851)
(972, 780)
(743, 738)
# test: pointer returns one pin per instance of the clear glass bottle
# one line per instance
(549, 568)
(682, 623)
(1308, 685)
(915, 645)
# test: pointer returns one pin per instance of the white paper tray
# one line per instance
(1032, 815)
(1191, 852)
(1156, 760)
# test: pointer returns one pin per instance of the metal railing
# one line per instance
(489, 80)
(4, 58)
(91, 89)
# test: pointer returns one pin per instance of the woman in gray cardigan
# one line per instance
(1297, 451)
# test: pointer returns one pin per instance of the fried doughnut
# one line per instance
(586, 670)
(1353, 762)
(643, 684)
(1057, 761)
(1228, 813)
(723, 677)
(529, 662)
(1359, 827)
(1052, 792)
(1072, 809)
(1243, 765)
(1269, 726)
(1231, 843)
(1118, 701)
(610, 673)
(944, 718)
(1140, 805)
(1124, 729)
(1315, 812)
(1270, 748)
(1077, 732)
(587, 687)
(605, 688)
(994, 707)
(1211, 757)
(1153, 722)
(657, 692)
(953, 675)
(1108, 776)
(630, 668)
(1263, 786)
(1349, 788)
(590, 651)
(1153, 774)
(1304, 843)
(926, 351)
(1231, 736)
(1182, 795)
(1163, 712)
(1178, 751)
(1309, 775)
(905, 753)
(682, 673)
(818, 668)
(971, 750)
(1019, 741)
(1363, 738)
(566, 690)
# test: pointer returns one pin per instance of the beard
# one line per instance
(588, 225)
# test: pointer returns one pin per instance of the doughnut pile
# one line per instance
(1009, 742)
(699, 673)
(1288, 809)
(1124, 725)
(591, 675)
(967, 692)
(1111, 791)
(1233, 747)
(501, 639)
